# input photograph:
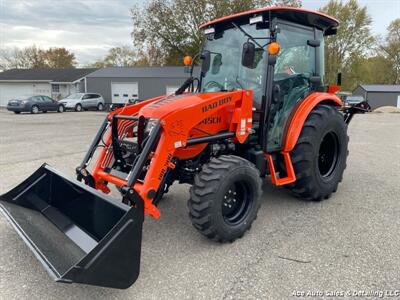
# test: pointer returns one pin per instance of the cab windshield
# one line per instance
(226, 72)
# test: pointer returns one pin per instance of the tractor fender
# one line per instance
(301, 112)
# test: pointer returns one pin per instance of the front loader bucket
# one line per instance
(77, 233)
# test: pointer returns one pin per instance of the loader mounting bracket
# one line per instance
(82, 173)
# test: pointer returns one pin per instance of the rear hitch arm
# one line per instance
(359, 108)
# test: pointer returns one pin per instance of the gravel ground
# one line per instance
(349, 243)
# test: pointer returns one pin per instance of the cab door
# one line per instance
(297, 63)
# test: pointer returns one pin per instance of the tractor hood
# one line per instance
(164, 106)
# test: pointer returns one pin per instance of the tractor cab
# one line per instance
(278, 53)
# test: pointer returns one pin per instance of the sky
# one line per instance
(90, 27)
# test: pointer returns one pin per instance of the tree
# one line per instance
(33, 57)
(371, 70)
(391, 50)
(59, 58)
(118, 57)
(166, 30)
(352, 42)
(26, 58)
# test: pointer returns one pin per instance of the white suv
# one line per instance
(84, 101)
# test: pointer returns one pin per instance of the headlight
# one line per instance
(150, 125)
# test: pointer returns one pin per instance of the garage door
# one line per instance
(121, 92)
(9, 91)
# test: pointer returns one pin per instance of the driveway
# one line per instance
(349, 243)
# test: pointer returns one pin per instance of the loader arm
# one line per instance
(173, 136)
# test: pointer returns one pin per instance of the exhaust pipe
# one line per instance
(78, 234)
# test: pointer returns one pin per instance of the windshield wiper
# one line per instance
(251, 37)
(248, 35)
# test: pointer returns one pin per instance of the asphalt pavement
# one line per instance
(347, 244)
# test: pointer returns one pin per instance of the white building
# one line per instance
(56, 83)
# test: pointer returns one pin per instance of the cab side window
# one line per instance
(295, 65)
(296, 57)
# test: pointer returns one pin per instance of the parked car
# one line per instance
(84, 101)
(352, 100)
(34, 104)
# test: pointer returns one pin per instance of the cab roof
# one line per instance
(294, 14)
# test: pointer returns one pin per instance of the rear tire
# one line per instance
(100, 106)
(78, 107)
(319, 157)
(225, 198)
(61, 109)
(34, 109)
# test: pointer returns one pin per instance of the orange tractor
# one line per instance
(259, 108)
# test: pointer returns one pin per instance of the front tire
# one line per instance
(78, 107)
(225, 198)
(319, 157)
(60, 109)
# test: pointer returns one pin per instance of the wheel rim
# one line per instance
(78, 108)
(61, 109)
(100, 107)
(236, 203)
(35, 109)
(328, 154)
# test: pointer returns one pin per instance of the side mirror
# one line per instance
(217, 63)
(206, 58)
(313, 43)
(315, 80)
(248, 55)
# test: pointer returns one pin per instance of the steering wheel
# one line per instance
(282, 76)
(212, 83)
(251, 81)
(288, 82)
